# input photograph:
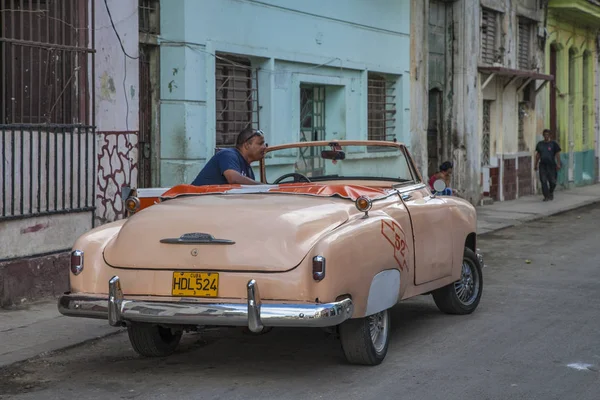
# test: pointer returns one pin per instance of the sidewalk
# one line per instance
(37, 329)
(505, 214)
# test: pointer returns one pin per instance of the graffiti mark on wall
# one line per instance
(395, 235)
(117, 167)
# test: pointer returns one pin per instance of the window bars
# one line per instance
(486, 133)
(47, 140)
(381, 108)
(236, 98)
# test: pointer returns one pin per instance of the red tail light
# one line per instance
(76, 262)
(318, 269)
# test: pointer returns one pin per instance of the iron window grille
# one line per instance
(381, 108)
(47, 137)
(312, 125)
(521, 127)
(149, 16)
(486, 132)
(236, 98)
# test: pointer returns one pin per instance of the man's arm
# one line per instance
(235, 177)
(557, 155)
(230, 165)
(537, 160)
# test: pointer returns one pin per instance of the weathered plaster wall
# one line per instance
(419, 82)
(319, 42)
(28, 279)
(39, 235)
(465, 127)
(117, 105)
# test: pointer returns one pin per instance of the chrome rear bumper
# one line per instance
(118, 310)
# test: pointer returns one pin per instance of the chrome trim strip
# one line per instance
(253, 314)
(196, 238)
(415, 186)
(151, 192)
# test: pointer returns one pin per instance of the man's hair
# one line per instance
(446, 166)
(547, 130)
(243, 137)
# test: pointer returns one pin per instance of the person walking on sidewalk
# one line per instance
(547, 159)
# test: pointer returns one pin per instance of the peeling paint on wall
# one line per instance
(107, 87)
(117, 167)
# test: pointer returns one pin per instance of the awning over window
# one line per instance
(515, 74)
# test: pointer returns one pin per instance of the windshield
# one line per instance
(336, 161)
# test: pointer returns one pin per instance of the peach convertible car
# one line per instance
(337, 234)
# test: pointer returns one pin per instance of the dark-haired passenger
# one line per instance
(232, 165)
(445, 173)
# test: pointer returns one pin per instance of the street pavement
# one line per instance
(538, 316)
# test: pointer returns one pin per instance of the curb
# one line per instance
(542, 216)
(89, 340)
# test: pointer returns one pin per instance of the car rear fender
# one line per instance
(364, 264)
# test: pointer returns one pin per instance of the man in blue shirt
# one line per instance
(547, 159)
(232, 165)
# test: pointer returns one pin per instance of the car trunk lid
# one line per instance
(259, 232)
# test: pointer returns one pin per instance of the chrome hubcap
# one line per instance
(467, 287)
(378, 327)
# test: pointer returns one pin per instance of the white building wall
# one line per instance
(117, 104)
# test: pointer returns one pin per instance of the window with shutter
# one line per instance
(489, 33)
(524, 51)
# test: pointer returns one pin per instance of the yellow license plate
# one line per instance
(195, 284)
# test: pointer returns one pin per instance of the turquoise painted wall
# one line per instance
(290, 41)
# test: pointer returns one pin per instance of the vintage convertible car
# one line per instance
(354, 231)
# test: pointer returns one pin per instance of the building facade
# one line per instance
(297, 70)
(490, 91)
(572, 49)
(69, 122)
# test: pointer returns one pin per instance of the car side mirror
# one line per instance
(333, 155)
(439, 185)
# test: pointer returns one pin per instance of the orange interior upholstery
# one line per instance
(314, 189)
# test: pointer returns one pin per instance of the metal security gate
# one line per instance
(312, 124)
(47, 136)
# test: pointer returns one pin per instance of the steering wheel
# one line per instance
(297, 177)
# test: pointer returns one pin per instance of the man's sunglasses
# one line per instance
(256, 133)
